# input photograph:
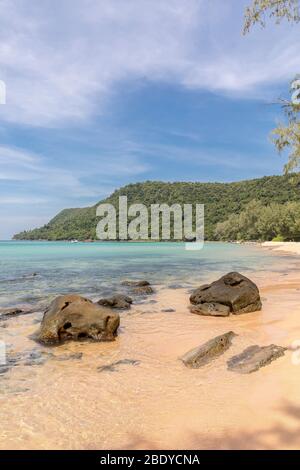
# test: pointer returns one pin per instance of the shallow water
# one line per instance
(34, 272)
(135, 392)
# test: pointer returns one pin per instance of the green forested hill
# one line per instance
(220, 199)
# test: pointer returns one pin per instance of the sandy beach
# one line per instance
(287, 247)
(152, 401)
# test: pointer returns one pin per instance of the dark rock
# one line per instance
(145, 290)
(255, 357)
(71, 317)
(139, 287)
(208, 351)
(168, 310)
(12, 312)
(232, 293)
(141, 283)
(117, 301)
(189, 239)
(114, 366)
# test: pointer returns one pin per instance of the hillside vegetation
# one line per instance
(221, 201)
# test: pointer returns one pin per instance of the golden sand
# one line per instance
(287, 247)
(158, 403)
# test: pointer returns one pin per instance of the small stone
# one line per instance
(114, 366)
(117, 301)
(141, 283)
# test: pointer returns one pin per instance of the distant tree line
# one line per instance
(223, 202)
(260, 222)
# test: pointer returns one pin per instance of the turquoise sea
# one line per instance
(34, 272)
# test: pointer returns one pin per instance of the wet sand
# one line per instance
(153, 401)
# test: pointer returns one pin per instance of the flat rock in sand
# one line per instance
(255, 357)
(208, 351)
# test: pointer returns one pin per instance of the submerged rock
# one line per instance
(208, 351)
(36, 358)
(69, 357)
(139, 287)
(113, 367)
(117, 301)
(232, 293)
(143, 290)
(12, 312)
(255, 357)
(32, 357)
(130, 283)
(71, 317)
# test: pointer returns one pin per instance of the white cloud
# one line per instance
(18, 165)
(61, 60)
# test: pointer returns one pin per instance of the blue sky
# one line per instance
(101, 93)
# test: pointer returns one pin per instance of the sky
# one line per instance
(102, 93)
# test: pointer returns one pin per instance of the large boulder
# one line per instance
(208, 351)
(116, 301)
(71, 317)
(232, 293)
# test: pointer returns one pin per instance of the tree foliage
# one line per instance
(278, 9)
(260, 222)
(220, 200)
(287, 135)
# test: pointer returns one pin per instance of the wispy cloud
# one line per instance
(62, 60)
(20, 165)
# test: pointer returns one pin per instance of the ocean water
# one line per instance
(34, 272)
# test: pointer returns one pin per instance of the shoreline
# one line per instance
(285, 247)
(152, 401)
